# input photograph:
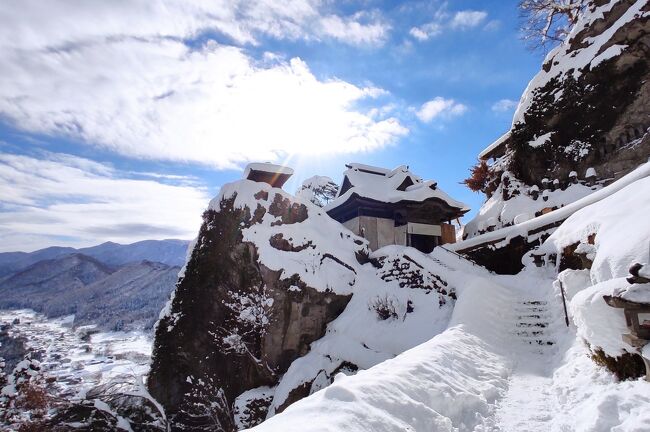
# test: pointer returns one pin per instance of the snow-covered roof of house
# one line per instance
(485, 154)
(389, 186)
(275, 175)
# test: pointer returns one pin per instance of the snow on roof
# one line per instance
(267, 167)
(368, 168)
(389, 186)
(494, 145)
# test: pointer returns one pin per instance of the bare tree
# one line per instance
(546, 22)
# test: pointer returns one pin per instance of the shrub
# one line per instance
(626, 366)
(385, 308)
(479, 177)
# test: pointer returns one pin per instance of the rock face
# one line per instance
(592, 98)
(263, 280)
(275, 300)
(583, 121)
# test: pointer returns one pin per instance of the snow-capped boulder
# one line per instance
(275, 300)
(266, 275)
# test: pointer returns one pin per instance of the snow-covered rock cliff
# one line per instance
(277, 298)
(582, 121)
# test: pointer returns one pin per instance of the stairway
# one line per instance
(534, 324)
(440, 263)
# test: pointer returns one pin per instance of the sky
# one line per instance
(120, 120)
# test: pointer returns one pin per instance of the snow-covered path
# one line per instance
(506, 363)
(530, 403)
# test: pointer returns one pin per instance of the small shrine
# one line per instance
(635, 302)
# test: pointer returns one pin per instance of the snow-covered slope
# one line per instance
(507, 361)
(448, 383)
(113, 299)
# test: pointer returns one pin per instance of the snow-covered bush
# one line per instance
(385, 307)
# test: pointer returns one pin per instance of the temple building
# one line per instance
(397, 207)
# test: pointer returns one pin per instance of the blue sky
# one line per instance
(119, 120)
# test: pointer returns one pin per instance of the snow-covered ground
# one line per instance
(507, 361)
(79, 363)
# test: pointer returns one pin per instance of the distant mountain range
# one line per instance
(170, 252)
(115, 286)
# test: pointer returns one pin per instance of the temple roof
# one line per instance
(383, 185)
(275, 175)
(493, 149)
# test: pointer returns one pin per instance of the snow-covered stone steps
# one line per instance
(533, 310)
(440, 263)
(534, 324)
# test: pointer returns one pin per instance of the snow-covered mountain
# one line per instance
(112, 298)
(110, 285)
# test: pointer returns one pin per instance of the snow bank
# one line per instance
(449, 383)
(592, 400)
(620, 222)
(597, 323)
(508, 233)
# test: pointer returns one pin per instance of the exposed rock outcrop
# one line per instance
(275, 300)
(583, 121)
(264, 278)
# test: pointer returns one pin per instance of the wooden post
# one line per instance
(566, 314)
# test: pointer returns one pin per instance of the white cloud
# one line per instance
(65, 22)
(359, 29)
(467, 19)
(443, 20)
(440, 107)
(63, 199)
(118, 75)
(504, 105)
(426, 31)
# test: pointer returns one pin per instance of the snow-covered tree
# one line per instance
(319, 190)
(549, 21)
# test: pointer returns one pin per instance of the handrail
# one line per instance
(460, 257)
(566, 314)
